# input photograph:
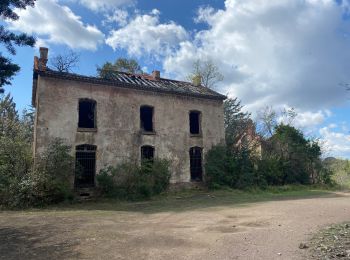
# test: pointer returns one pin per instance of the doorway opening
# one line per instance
(196, 164)
(85, 166)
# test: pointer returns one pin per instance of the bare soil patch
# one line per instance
(226, 230)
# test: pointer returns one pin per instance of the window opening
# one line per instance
(85, 166)
(147, 153)
(87, 114)
(146, 118)
(195, 122)
(196, 164)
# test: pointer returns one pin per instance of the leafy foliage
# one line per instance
(10, 40)
(108, 70)
(340, 168)
(51, 180)
(223, 167)
(287, 156)
(22, 184)
(130, 181)
(7, 6)
(299, 155)
(236, 121)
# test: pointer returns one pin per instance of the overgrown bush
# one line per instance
(24, 185)
(287, 158)
(223, 167)
(341, 170)
(220, 167)
(130, 181)
(52, 176)
(15, 163)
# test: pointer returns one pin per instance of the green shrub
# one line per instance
(15, 164)
(271, 168)
(52, 177)
(220, 168)
(239, 170)
(48, 182)
(130, 181)
(223, 168)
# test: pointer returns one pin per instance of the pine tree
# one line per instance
(10, 40)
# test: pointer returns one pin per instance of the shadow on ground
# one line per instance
(34, 243)
(195, 201)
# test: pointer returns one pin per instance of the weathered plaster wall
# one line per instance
(118, 135)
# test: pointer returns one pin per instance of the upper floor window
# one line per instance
(146, 118)
(195, 122)
(87, 113)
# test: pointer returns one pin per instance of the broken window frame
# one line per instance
(144, 131)
(82, 127)
(199, 113)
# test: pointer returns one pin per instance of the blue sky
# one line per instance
(280, 53)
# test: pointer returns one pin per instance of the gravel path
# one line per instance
(266, 230)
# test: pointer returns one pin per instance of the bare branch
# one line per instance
(208, 71)
(65, 62)
(267, 119)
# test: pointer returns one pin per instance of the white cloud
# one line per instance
(145, 35)
(332, 126)
(54, 23)
(310, 119)
(120, 17)
(273, 52)
(337, 143)
(105, 5)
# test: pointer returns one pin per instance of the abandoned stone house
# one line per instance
(128, 117)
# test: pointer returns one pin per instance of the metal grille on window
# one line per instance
(85, 166)
(196, 163)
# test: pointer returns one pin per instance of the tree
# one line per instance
(299, 158)
(27, 120)
(65, 62)
(108, 70)
(15, 150)
(9, 118)
(236, 121)
(267, 121)
(10, 40)
(208, 71)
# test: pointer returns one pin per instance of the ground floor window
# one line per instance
(85, 166)
(147, 153)
(196, 164)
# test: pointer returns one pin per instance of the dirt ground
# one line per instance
(332, 242)
(263, 230)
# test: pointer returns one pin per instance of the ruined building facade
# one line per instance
(127, 117)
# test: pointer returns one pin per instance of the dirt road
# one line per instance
(266, 230)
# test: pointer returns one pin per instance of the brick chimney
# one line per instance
(42, 61)
(197, 80)
(156, 74)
